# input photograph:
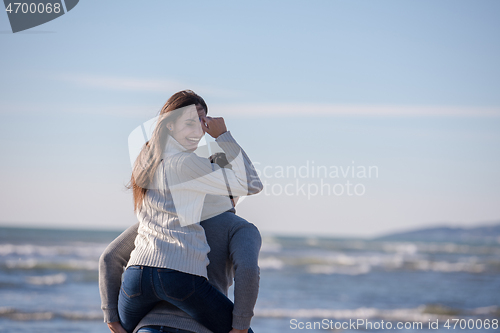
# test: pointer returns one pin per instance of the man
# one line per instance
(235, 245)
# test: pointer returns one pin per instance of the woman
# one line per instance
(169, 184)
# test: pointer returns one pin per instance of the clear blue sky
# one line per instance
(411, 87)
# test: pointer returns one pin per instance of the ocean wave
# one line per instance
(329, 262)
(14, 314)
(270, 248)
(422, 313)
(422, 265)
(387, 246)
(47, 280)
(344, 270)
(433, 247)
(448, 267)
(78, 256)
(271, 263)
(18, 315)
(57, 264)
(403, 247)
(76, 249)
(270, 245)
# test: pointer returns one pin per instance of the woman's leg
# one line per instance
(196, 296)
(136, 297)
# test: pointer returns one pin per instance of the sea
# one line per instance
(49, 283)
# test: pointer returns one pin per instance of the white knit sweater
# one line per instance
(169, 234)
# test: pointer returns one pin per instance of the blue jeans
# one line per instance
(143, 287)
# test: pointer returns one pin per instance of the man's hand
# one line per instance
(234, 330)
(116, 327)
(213, 126)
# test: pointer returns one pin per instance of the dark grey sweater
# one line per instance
(235, 245)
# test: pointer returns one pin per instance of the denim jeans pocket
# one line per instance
(132, 279)
(175, 284)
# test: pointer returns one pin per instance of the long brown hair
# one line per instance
(151, 153)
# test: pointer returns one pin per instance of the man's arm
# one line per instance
(111, 264)
(244, 247)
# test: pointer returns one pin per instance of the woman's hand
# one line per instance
(234, 330)
(213, 126)
(116, 327)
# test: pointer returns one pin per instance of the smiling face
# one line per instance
(187, 128)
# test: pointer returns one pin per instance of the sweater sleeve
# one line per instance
(237, 156)
(244, 247)
(111, 265)
(194, 173)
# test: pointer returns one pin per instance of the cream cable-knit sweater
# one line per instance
(182, 181)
